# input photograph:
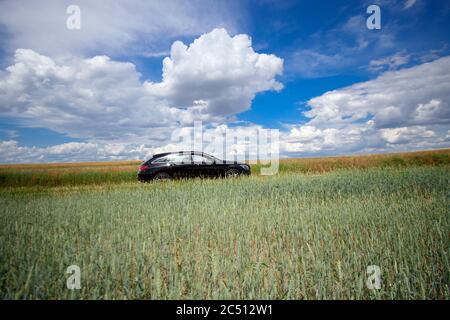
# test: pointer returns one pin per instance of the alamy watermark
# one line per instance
(249, 144)
(373, 22)
(74, 280)
(73, 21)
(373, 281)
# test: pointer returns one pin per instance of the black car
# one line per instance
(185, 164)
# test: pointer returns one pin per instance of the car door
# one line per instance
(189, 168)
(180, 165)
(203, 165)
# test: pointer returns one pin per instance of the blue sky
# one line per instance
(55, 108)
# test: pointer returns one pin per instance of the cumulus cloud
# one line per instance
(310, 140)
(100, 99)
(396, 97)
(406, 134)
(219, 72)
(399, 110)
(86, 98)
(120, 116)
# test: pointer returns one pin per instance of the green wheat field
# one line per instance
(309, 232)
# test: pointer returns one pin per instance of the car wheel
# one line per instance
(162, 176)
(232, 173)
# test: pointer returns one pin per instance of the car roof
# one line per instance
(178, 152)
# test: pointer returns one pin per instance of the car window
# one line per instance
(178, 158)
(196, 158)
(174, 158)
(161, 160)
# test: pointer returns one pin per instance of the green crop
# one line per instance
(290, 236)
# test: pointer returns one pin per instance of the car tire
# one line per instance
(232, 173)
(162, 176)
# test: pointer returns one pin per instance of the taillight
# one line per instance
(143, 167)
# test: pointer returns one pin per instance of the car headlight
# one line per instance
(245, 167)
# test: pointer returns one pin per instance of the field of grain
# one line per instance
(290, 236)
(101, 173)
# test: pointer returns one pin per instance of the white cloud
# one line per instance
(117, 27)
(400, 110)
(313, 140)
(86, 98)
(434, 54)
(409, 3)
(119, 116)
(219, 72)
(406, 134)
(11, 152)
(180, 139)
(389, 63)
(431, 110)
(100, 99)
(391, 99)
